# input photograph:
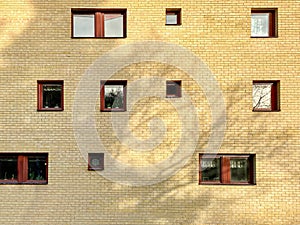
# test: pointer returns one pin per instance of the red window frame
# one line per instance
(272, 21)
(171, 84)
(274, 96)
(174, 11)
(40, 84)
(102, 95)
(22, 168)
(225, 168)
(99, 20)
(100, 159)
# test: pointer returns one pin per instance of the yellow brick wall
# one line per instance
(36, 44)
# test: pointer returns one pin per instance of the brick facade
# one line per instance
(36, 44)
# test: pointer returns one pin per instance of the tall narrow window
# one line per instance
(27, 168)
(113, 95)
(265, 95)
(105, 23)
(263, 23)
(227, 169)
(173, 16)
(50, 95)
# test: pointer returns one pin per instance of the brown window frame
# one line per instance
(40, 84)
(275, 96)
(103, 83)
(99, 157)
(99, 20)
(174, 11)
(272, 22)
(177, 84)
(225, 169)
(22, 168)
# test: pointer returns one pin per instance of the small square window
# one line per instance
(96, 161)
(113, 95)
(24, 168)
(173, 89)
(173, 16)
(104, 23)
(227, 169)
(50, 95)
(263, 23)
(265, 95)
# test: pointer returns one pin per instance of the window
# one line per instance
(173, 89)
(23, 168)
(50, 95)
(263, 23)
(173, 16)
(227, 169)
(96, 161)
(103, 23)
(265, 95)
(113, 95)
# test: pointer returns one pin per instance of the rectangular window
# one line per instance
(173, 16)
(263, 23)
(265, 95)
(50, 96)
(113, 95)
(227, 169)
(173, 89)
(96, 161)
(101, 23)
(23, 168)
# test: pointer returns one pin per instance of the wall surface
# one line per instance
(36, 44)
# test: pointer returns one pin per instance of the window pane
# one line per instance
(37, 167)
(113, 25)
(8, 168)
(83, 25)
(171, 19)
(262, 95)
(113, 96)
(210, 169)
(239, 170)
(52, 94)
(260, 24)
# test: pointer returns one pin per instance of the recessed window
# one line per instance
(263, 23)
(23, 168)
(173, 16)
(227, 169)
(103, 23)
(96, 161)
(173, 89)
(50, 95)
(265, 95)
(113, 95)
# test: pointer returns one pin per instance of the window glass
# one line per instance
(114, 96)
(260, 24)
(52, 94)
(113, 25)
(8, 168)
(262, 95)
(83, 25)
(210, 169)
(171, 19)
(37, 167)
(239, 170)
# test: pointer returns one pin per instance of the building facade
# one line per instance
(128, 112)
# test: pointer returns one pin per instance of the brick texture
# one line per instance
(36, 44)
